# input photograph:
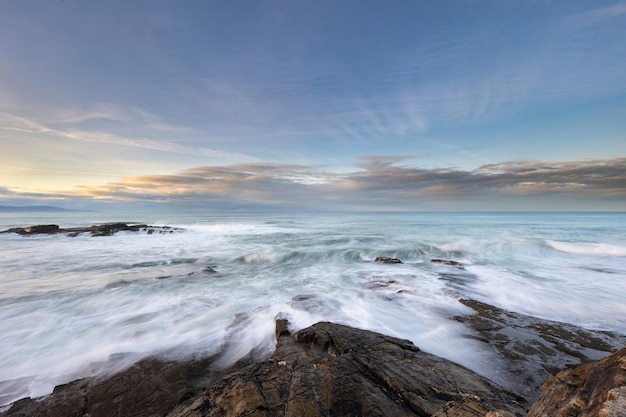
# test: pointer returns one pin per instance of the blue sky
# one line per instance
(355, 105)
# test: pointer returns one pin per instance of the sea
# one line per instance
(76, 306)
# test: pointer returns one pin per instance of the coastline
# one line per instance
(332, 369)
(526, 351)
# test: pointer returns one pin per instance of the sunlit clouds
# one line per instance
(327, 105)
(377, 184)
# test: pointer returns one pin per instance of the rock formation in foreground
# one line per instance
(326, 369)
(594, 389)
(335, 370)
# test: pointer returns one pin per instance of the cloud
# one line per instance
(123, 115)
(21, 124)
(598, 15)
(378, 183)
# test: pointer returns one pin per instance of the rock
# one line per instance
(385, 260)
(532, 349)
(595, 389)
(111, 228)
(326, 369)
(456, 264)
(151, 387)
(330, 369)
(34, 230)
(107, 229)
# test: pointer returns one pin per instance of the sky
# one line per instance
(314, 105)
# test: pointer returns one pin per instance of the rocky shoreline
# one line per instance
(545, 369)
(531, 350)
(335, 370)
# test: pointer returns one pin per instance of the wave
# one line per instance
(141, 293)
(235, 229)
(588, 249)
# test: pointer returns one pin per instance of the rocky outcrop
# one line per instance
(334, 370)
(326, 369)
(532, 350)
(34, 230)
(330, 369)
(596, 389)
(106, 229)
(151, 387)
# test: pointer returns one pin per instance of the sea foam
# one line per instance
(69, 304)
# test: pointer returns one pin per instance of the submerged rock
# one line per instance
(448, 262)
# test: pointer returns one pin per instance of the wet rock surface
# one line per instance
(335, 370)
(326, 369)
(532, 349)
(106, 229)
(330, 369)
(151, 387)
(596, 389)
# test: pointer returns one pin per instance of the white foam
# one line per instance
(66, 302)
(586, 298)
(588, 249)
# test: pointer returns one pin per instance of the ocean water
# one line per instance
(68, 304)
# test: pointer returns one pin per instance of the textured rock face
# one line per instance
(531, 349)
(149, 388)
(596, 389)
(333, 370)
(329, 369)
(326, 369)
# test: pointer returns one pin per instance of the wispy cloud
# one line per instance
(598, 15)
(12, 122)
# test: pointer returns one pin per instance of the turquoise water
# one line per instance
(68, 302)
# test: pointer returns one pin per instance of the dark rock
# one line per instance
(594, 389)
(326, 369)
(151, 387)
(330, 369)
(209, 270)
(532, 349)
(385, 260)
(107, 229)
(456, 264)
(34, 230)
(111, 228)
